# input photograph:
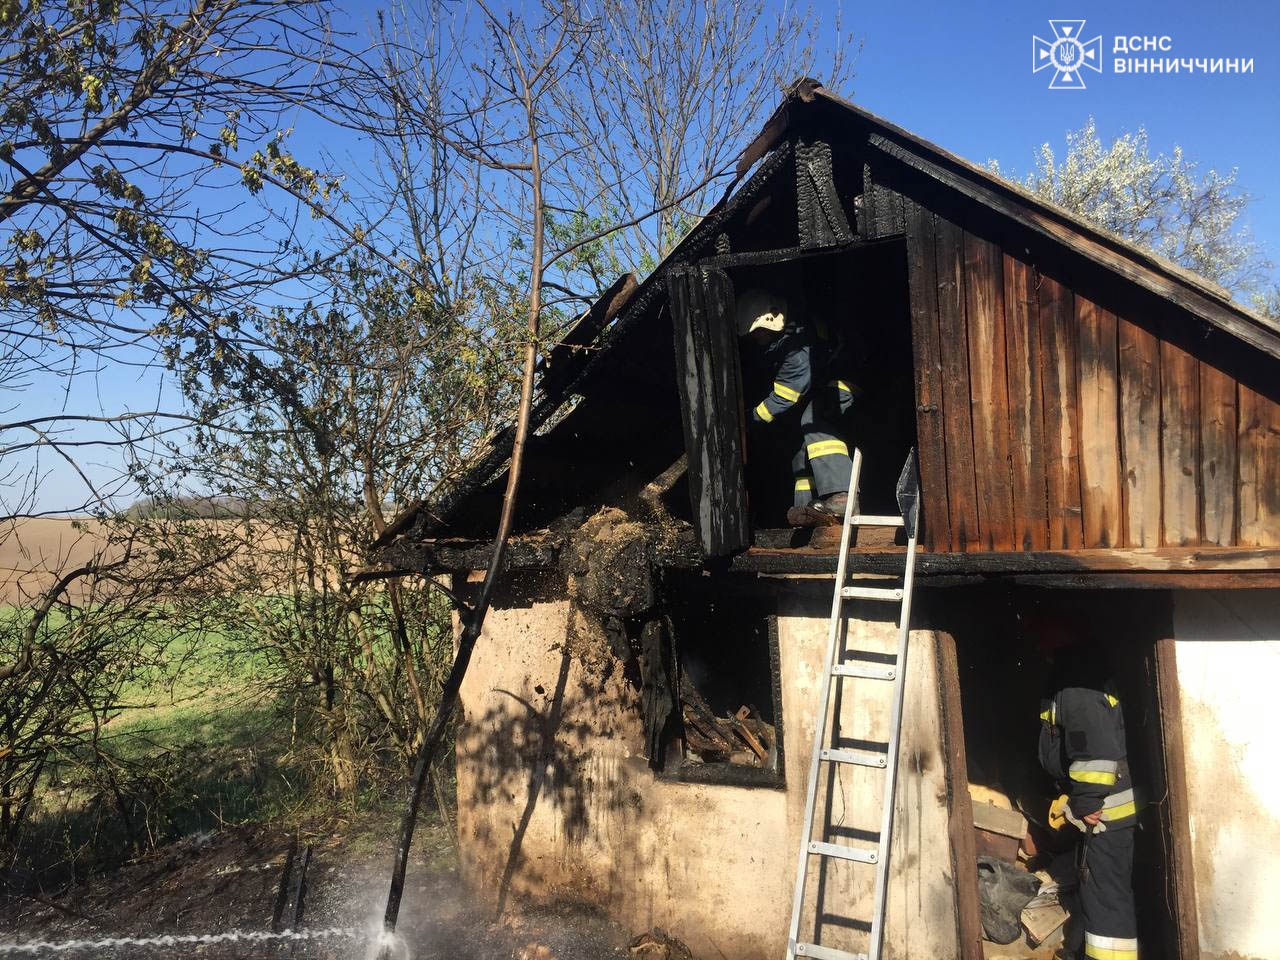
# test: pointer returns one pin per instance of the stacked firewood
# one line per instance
(742, 738)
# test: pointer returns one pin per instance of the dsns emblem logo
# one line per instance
(1066, 54)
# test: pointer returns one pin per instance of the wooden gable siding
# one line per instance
(1056, 413)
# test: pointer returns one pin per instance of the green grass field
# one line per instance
(202, 742)
(198, 744)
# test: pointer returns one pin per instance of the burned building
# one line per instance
(1098, 437)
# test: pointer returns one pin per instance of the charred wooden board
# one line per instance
(821, 218)
(456, 556)
(1139, 354)
(962, 490)
(927, 346)
(1193, 567)
(985, 321)
(1218, 455)
(750, 258)
(1180, 445)
(707, 377)
(1099, 424)
(1258, 450)
(1026, 406)
(1061, 414)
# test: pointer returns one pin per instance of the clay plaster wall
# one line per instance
(555, 802)
(1228, 656)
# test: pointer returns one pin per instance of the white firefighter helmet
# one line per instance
(760, 310)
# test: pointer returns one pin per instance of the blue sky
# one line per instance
(960, 75)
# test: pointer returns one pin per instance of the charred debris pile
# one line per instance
(679, 642)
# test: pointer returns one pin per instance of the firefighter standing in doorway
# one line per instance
(1082, 746)
(803, 395)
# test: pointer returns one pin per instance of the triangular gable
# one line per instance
(1080, 462)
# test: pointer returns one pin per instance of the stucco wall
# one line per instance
(1228, 657)
(921, 913)
(555, 801)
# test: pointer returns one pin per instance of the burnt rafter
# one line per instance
(1204, 567)
(580, 367)
(556, 365)
(761, 258)
(821, 217)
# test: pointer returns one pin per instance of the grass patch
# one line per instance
(197, 745)
(200, 743)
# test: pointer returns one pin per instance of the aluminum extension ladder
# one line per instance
(908, 496)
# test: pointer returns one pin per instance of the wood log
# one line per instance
(704, 733)
(748, 737)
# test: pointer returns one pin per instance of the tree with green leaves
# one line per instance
(1162, 202)
(153, 217)
(151, 206)
(401, 389)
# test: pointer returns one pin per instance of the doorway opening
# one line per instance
(859, 299)
(1008, 665)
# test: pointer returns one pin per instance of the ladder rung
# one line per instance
(874, 520)
(865, 759)
(867, 671)
(819, 952)
(844, 853)
(871, 593)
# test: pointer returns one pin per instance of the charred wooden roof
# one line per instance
(1073, 391)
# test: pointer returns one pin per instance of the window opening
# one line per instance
(724, 637)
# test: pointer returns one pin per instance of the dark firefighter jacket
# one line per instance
(797, 358)
(1082, 746)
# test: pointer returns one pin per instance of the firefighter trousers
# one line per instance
(1108, 926)
(821, 465)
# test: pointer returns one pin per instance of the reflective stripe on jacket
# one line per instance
(792, 357)
(799, 357)
(1082, 745)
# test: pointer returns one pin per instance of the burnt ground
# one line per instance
(228, 881)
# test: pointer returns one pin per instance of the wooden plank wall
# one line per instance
(1047, 420)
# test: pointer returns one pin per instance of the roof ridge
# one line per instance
(1149, 258)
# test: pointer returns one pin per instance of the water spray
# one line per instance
(388, 946)
(188, 939)
(421, 770)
